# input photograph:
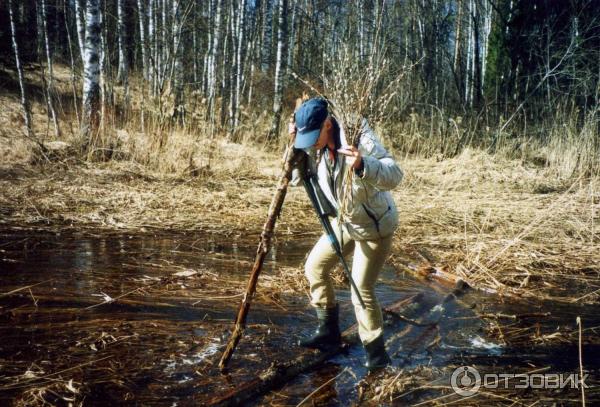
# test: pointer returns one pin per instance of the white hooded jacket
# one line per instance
(371, 212)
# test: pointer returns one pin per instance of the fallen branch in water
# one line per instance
(516, 316)
(24, 288)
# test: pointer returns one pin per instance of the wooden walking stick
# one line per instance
(263, 248)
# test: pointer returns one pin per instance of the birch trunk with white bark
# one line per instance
(280, 69)
(105, 95)
(292, 36)
(24, 100)
(212, 66)
(179, 108)
(239, 62)
(80, 22)
(152, 49)
(123, 67)
(225, 71)
(468, 77)
(208, 53)
(72, 60)
(50, 81)
(164, 43)
(143, 41)
(91, 74)
(487, 28)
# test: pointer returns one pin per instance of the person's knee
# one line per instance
(310, 265)
(318, 263)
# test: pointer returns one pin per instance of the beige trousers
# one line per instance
(369, 257)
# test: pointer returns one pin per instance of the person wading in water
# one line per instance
(368, 221)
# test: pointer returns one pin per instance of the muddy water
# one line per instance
(141, 319)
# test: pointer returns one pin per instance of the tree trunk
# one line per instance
(280, 69)
(179, 108)
(164, 46)
(122, 70)
(143, 41)
(225, 67)
(292, 37)
(80, 22)
(208, 53)
(476, 57)
(72, 61)
(458, 36)
(50, 82)
(105, 95)
(239, 63)
(256, 48)
(487, 28)
(266, 35)
(469, 57)
(195, 44)
(91, 75)
(152, 48)
(24, 100)
(212, 68)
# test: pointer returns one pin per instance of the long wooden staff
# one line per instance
(263, 248)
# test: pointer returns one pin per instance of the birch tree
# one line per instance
(80, 22)
(239, 60)
(164, 47)
(71, 60)
(152, 49)
(122, 70)
(179, 108)
(208, 53)
(212, 63)
(24, 100)
(279, 68)
(91, 74)
(50, 81)
(143, 41)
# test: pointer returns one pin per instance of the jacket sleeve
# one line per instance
(380, 168)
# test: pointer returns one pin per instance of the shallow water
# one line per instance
(142, 319)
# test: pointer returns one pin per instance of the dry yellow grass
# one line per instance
(498, 224)
(504, 226)
(521, 227)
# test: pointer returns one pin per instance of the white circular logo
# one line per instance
(465, 381)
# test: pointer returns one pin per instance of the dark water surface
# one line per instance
(141, 319)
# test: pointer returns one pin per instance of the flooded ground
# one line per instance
(141, 319)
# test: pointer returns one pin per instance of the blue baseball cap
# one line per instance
(309, 118)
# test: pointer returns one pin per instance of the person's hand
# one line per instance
(292, 126)
(352, 157)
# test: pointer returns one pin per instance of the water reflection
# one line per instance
(155, 334)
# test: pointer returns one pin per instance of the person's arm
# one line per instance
(380, 170)
(372, 163)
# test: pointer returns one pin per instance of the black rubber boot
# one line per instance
(327, 335)
(377, 357)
